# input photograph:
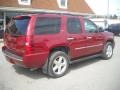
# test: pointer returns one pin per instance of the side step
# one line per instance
(85, 58)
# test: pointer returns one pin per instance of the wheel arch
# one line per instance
(52, 50)
(60, 48)
(112, 41)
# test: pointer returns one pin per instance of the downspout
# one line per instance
(4, 20)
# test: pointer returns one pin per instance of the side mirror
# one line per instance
(96, 31)
(100, 29)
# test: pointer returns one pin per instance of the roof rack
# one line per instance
(60, 13)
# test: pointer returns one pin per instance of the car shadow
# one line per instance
(37, 74)
(117, 35)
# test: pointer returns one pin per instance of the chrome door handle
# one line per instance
(89, 37)
(70, 38)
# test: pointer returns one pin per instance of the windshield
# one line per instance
(18, 26)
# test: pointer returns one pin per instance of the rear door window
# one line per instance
(47, 25)
(73, 26)
(18, 26)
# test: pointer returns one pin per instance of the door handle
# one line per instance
(89, 37)
(70, 38)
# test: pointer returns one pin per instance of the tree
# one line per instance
(114, 16)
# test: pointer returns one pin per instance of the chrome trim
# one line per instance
(13, 56)
(88, 46)
(89, 37)
(70, 38)
(85, 58)
(36, 53)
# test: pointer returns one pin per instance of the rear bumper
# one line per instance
(36, 60)
(13, 58)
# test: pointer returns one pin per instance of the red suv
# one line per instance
(53, 41)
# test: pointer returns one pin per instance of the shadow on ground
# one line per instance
(37, 74)
(84, 63)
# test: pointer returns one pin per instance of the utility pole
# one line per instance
(4, 16)
(118, 12)
(107, 13)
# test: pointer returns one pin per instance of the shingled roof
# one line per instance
(77, 6)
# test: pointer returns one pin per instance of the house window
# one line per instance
(62, 4)
(24, 2)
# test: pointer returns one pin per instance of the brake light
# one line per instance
(28, 46)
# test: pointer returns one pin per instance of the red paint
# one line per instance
(35, 49)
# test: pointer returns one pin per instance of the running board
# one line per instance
(85, 58)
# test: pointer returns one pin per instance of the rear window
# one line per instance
(47, 25)
(18, 26)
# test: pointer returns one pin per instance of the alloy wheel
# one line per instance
(59, 65)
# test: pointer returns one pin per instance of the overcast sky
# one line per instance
(100, 6)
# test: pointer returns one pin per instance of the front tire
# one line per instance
(58, 64)
(107, 51)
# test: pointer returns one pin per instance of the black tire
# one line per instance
(116, 34)
(105, 51)
(55, 61)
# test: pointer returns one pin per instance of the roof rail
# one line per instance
(60, 13)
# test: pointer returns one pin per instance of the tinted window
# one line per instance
(47, 25)
(73, 25)
(18, 26)
(90, 27)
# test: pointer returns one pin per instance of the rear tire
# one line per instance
(107, 51)
(58, 64)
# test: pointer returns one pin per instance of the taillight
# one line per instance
(28, 48)
(28, 45)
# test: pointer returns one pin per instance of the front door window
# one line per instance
(90, 27)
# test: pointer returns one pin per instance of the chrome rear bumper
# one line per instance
(11, 55)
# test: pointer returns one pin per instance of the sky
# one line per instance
(100, 6)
